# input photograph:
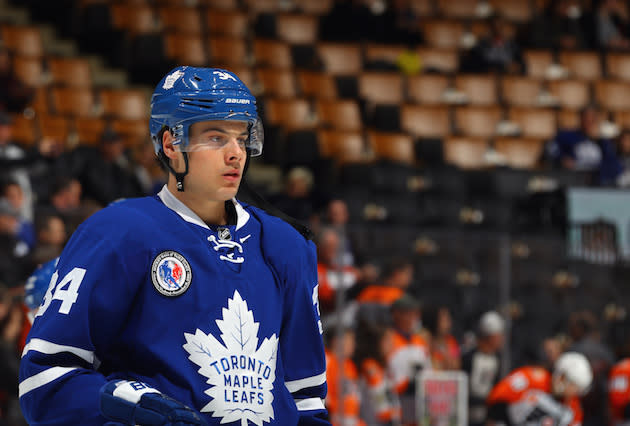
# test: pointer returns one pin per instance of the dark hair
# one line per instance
(369, 337)
(431, 317)
(394, 265)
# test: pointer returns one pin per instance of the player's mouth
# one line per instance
(232, 176)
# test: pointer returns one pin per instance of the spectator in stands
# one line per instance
(380, 405)
(65, 201)
(14, 94)
(10, 327)
(444, 349)
(331, 272)
(613, 25)
(410, 353)
(297, 198)
(623, 152)
(146, 169)
(104, 172)
(583, 329)
(397, 277)
(497, 51)
(482, 363)
(15, 161)
(11, 204)
(564, 24)
(343, 399)
(337, 217)
(584, 149)
(51, 237)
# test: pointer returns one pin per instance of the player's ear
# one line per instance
(167, 145)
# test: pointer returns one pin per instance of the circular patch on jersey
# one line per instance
(171, 273)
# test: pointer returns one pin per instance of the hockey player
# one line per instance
(532, 395)
(189, 307)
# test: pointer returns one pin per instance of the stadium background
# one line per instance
(441, 154)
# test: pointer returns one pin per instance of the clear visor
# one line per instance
(217, 136)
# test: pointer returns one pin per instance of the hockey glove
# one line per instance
(135, 403)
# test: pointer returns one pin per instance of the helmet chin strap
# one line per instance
(179, 176)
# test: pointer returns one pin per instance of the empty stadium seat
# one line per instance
(520, 91)
(478, 121)
(441, 33)
(458, 8)
(24, 130)
(583, 65)
(340, 114)
(29, 70)
(381, 87)
(340, 58)
(73, 101)
(520, 153)
(134, 18)
(438, 59)
(180, 19)
(297, 28)
(188, 49)
(513, 10)
(383, 53)
(124, 103)
(343, 146)
(537, 62)
(479, 89)
(571, 93)
(292, 114)
(89, 129)
(539, 123)
(317, 84)
(277, 83)
(427, 88)
(613, 95)
(426, 121)
(272, 53)
(74, 72)
(232, 23)
(226, 51)
(465, 152)
(23, 40)
(132, 131)
(397, 147)
(54, 126)
(618, 66)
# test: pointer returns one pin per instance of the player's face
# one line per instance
(216, 158)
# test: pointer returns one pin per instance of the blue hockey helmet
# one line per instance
(187, 95)
(37, 284)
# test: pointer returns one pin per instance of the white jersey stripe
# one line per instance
(43, 378)
(309, 404)
(308, 382)
(49, 348)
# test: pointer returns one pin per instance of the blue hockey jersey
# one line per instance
(223, 319)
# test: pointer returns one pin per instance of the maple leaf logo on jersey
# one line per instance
(240, 372)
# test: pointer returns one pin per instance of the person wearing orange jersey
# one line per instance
(381, 406)
(533, 395)
(445, 351)
(331, 276)
(342, 378)
(397, 277)
(619, 392)
(409, 355)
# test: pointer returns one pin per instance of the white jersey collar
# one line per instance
(188, 215)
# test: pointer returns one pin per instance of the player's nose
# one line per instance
(234, 150)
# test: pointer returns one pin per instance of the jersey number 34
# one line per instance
(67, 291)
